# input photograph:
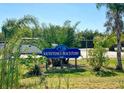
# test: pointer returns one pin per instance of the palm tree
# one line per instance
(18, 27)
(29, 21)
(11, 26)
(115, 23)
(13, 31)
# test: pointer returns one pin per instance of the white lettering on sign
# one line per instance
(61, 53)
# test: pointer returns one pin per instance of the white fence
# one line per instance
(110, 54)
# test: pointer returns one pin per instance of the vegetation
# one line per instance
(30, 72)
(67, 34)
(83, 78)
(9, 63)
(1, 37)
(97, 57)
(115, 23)
(33, 65)
(28, 23)
(60, 35)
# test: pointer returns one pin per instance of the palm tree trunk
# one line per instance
(118, 34)
(119, 64)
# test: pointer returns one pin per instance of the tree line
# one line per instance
(66, 34)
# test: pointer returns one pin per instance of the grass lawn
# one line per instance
(83, 78)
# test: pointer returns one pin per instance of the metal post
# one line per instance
(75, 63)
(61, 63)
(46, 66)
(86, 51)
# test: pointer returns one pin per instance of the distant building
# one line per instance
(25, 49)
(87, 44)
(29, 49)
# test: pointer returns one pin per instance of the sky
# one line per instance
(87, 13)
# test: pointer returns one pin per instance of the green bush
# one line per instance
(33, 65)
(97, 57)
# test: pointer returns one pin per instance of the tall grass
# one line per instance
(9, 74)
(9, 60)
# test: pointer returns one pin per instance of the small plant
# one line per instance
(33, 65)
(97, 57)
(9, 70)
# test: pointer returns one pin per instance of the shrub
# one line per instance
(33, 65)
(97, 55)
(97, 58)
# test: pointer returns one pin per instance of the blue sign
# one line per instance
(61, 51)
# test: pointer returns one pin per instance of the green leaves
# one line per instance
(11, 26)
(104, 41)
(60, 34)
(97, 58)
